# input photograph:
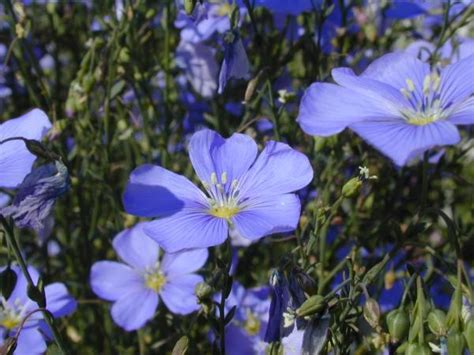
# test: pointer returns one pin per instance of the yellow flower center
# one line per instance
(10, 321)
(224, 211)
(252, 324)
(421, 121)
(155, 280)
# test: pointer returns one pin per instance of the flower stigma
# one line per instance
(222, 196)
(155, 279)
(9, 317)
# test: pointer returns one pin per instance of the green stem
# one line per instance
(10, 237)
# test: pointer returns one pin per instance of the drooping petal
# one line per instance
(185, 262)
(154, 191)
(15, 160)
(187, 229)
(59, 302)
(395, 68)
(210, 153)
(267, 215)
(463, 113)
(279, 169)
(327, 109)
(30, 342)
(111, 280)
(178, 294)
(235, 64)
(136, 248)
(457, 82)
(134, 309)
(402, 142)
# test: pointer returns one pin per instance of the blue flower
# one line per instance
(245, 333)
(18, 308)
(235, 64)
(136, 285)
(397, 104)
(253, 194)
(288, 7)
(15, 160)
(34, 201)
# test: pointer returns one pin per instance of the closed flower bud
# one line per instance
(398, 324)
(312, 305)
(7, 282)
(189, 6)
(351, 188)
(418, 349)
(203, 290)
(469, 334)
(437, 322)
(372, 312)
(456, 343)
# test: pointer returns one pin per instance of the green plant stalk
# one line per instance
(9, 235)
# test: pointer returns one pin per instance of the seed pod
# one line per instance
(398, 324)
(437, 322)
(418, 349)
(372, 312)
(312, 305)
(456, 343)
(469, 334)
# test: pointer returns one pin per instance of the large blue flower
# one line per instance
(253, 194)
(135, 287)
(397, 104)
(18, 308)
(15, 160)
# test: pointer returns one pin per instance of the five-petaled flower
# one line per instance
(135, 287)
(254, 194)
(398, 104)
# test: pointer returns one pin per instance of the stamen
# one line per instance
(224, 177)
(410, 85)
(213, 178)
(426, 85)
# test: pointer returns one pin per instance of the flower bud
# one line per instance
(7, 282)
(437, 322)
(398, 324)
(456, 343)
(189, 6)
(372, 312)
(351, 188)
(203, 290)
(418, 349)
(312, 305)
(469, 334)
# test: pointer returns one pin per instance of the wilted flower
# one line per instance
(136, 286)
(397, 104)
(235, 64)
(254, 195)
(18, 308)
(36, 196)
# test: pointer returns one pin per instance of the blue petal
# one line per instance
(30, 342)
(401, 141)
(238, 341)
(185, 262)
(269, 175)
(463, 113)
(187, 229)
(289, 7)
(457, 82)
(4, 199)
(134, 309)
(267, 215)
(154, 191)
(178, 294)
(59, 302)
(395, 68)
(210, 153)
(136, 248)
(15, 160)
(19, 292)
(111, 280)
(404, 10)
(235, 63)
(327, 109)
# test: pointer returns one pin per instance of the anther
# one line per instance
(410, 85)
(213, 179)
(224, 177)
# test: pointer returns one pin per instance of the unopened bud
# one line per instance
(437, 322)
(456, 343)
(203, 290)
(469, 334)
(312, 305)
(418, 349)
(7, 281)
(351, 188)
(398, 324)
(189, 6)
